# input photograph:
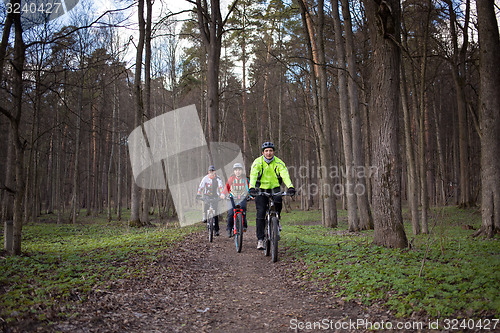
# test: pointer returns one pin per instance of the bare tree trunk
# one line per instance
(345, 118)
(135, 218)
(423, 172)
(489, 42)
(119, 170)
(321, 121)
(423, 128)
(244, 87)
(75, 205)
(384, 106)
(9, 192)
(15, 121)
(92, 208)
(410, 158)
(265, 96)
(59, 188)
(113, 140)
(146, 194)
(458, 71)
(365, 215)
(31, 197)
(442, 175)
(211, 27)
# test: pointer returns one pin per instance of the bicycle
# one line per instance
(237, 224)
(272, 226)
(209, 216)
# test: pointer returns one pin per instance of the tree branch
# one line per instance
(78, 28)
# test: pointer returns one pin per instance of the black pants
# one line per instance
(262, 203)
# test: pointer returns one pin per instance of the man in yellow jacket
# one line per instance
(267, 174)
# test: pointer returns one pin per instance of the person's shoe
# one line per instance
(229, 233)
(217, 233)
(260, 245)
(244, 229)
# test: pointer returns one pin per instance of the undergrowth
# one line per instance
(63, 262)
(459, 277)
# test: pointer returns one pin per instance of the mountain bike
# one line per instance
(238, 224)
(209, 216)
(272, 227)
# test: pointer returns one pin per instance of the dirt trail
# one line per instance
(208, 287)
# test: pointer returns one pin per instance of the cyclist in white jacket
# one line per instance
(211, 186)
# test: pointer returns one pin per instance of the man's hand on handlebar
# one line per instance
(253, 192)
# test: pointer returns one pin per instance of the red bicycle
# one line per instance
(238, 229)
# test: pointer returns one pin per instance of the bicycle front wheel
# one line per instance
(211, 229)
(238, 238)
(267, 239)
(274, 238)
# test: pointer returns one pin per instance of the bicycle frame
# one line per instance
(209, 216)
(236, 210)
(237, 226)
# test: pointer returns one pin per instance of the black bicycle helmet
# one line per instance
(268, 145)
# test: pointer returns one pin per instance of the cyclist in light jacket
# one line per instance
(267, 173)
(211, 186)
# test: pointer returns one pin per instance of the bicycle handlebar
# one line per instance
(208, 199)
(247, 198)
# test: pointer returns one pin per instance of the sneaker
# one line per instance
(217, 233)
(244, 229)
(229, 234)
(260, 245)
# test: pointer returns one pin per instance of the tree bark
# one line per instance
(489, 43)
(211, 25)
(410, 158)
(9, 181)
(244, 88)
(458, 72)
(139, 110)
(320, 120)
(345, 118)
(384, 22)
(424, 191)
(365, 215)
(146, 194)
(15, 121)
(439, 146)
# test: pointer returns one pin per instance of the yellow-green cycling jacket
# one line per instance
(268, 176)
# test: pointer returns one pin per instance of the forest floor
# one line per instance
(208, 287)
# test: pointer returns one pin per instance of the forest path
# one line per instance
(209, 287)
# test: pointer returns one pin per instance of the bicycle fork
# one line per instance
(236, 212)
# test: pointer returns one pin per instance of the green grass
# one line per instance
(62, 263)
(460, 276)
